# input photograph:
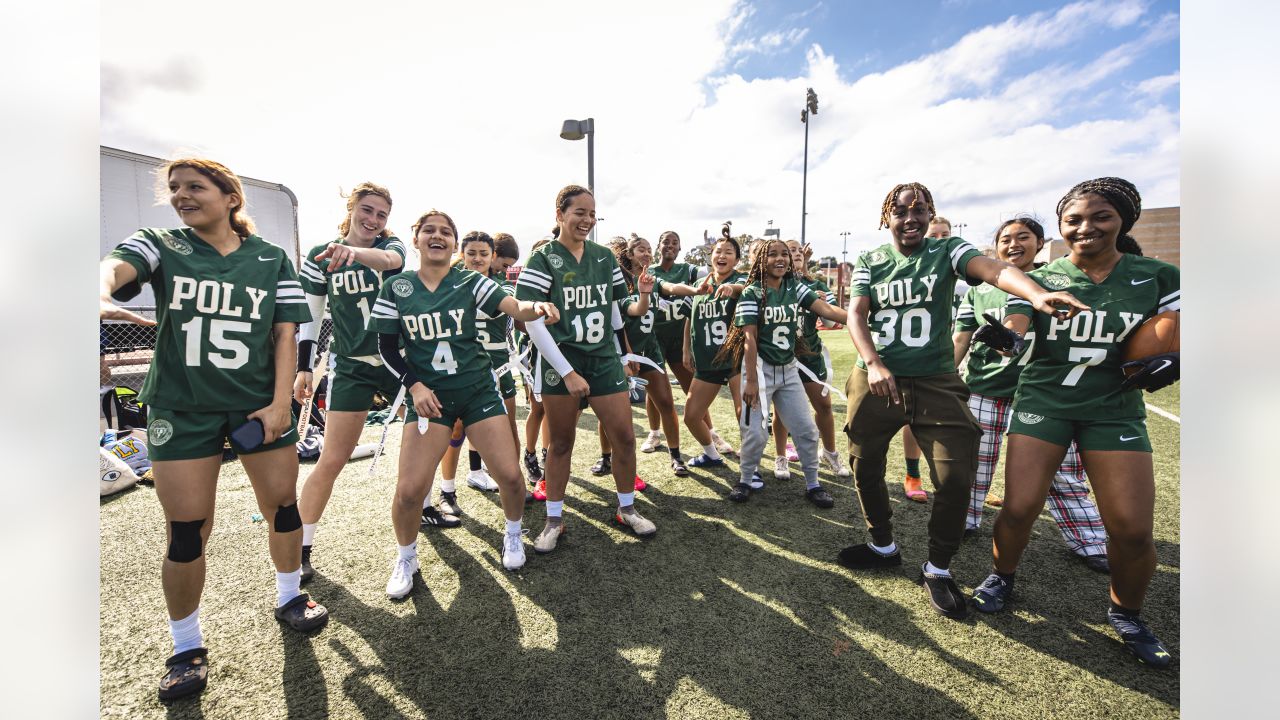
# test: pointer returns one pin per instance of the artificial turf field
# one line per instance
(730, 611)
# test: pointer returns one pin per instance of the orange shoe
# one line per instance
(994, 501)
(913, 489)
(640, 484)
(540, 490)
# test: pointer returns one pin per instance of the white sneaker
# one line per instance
(480, 480)
(833, 461)
(640, 525)
(780, 469)
(653, 442)
(547, 539)
(513, 550)
(401, 581)
(722, 446)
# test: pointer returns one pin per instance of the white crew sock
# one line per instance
(186, 633)
(711, 451)
(934, 569)
(514, 526)
(408, 552)
(625, 499)
(447, 485)
(555, 508)
(288, 586)
(308, 533)
(889, 549)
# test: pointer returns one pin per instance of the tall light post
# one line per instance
(960, 229)
(576, 130)
(810, 108)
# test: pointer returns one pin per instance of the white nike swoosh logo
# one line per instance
(265, 259)
(488, 408)
(620, 382)
(1127, 439)
(464, 282)
(935, 248)
(600, 259)
(1166, 363)
(1139, 282)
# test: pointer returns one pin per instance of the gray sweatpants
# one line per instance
(781, 388)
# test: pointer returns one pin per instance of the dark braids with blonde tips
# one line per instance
(886, 208)
(1121, 195)
(733, 344)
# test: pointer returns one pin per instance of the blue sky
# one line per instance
(999, 107)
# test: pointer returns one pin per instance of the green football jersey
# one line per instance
(584, 291)
(709, 323)
(674, 310)
(911, 300)
(809, 319)
(493, 329)
(214, 350)
(439, 328)
(776, 311)
(640, 329)
(351, 293)
(987, 372)
(1074, 372)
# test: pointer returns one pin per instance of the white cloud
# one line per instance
(1154, 88)
(458, 107)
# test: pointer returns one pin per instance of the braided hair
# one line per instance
(1121, 195)
(733, 344)
(886, 208)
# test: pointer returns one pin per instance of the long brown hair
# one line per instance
(363, 190)
(221, 176)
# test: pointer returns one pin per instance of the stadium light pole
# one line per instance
(810, 108)
(576, 130)
(960, 229)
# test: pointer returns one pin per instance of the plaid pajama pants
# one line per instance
(1069, 503)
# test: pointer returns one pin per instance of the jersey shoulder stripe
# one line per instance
(144, 246)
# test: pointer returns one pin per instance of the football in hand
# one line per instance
(1156, 336)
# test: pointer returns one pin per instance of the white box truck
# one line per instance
(128, 202)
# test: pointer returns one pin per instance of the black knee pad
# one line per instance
(185, 543)
(287, 518)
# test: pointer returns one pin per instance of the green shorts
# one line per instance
(506, 382)
(604, 374)
(670, 337)
(181, 435)
(353, 384)
(818, 361)
(1108, 434)
(470, 404)
(717, 376)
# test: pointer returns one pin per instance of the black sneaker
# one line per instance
(434, 518)
(1098, 564)
(740, 492)
(944, 594)
(970, 532)
(820, 497)
(1139, 639)
(677, 467)
(531, 467)
(308, 572)
(862, 557)
(603, 466)
(993, 594)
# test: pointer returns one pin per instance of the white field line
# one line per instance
(1163, 413)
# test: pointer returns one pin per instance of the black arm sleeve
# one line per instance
(389, 351)
(306, 355)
